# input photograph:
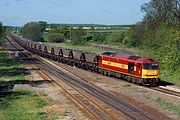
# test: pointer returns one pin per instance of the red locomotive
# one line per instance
(133, 68)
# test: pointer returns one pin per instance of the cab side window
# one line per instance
(131, 68)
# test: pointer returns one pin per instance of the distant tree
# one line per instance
(53, 26)
(138, 33)
(43, 25)
(65, 30)
(77, 36)
(55, 37)
(129, 41)
(32, 31)
(117, 37)
(100, 37)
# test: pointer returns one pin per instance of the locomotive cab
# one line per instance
(150, 72)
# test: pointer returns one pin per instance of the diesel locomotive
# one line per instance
(137, 69)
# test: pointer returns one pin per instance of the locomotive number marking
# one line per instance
(109, 63)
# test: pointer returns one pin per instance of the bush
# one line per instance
(170, 52)
(117, 37)
(100, 37)
(56, 37)
(129, 41)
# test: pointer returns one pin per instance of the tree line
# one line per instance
(159, 33)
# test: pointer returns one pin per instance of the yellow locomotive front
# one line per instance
(151, 73)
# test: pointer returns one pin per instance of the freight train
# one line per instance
(134, 69)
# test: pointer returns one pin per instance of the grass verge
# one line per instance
(171, 76)
(18, 105)
(169, 106)
(10, 70)
(22, 105)
(93, 49)
(76, 47)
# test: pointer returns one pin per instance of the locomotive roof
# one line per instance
(131, 58)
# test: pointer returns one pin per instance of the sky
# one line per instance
(116, 12)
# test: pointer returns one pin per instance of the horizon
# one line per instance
(76, 24)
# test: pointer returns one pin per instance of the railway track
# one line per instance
(77, 83)
(82, 76)
(96, 111)
(111, 100)
(81, 97)
(166, 91)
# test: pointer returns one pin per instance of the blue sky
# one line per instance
(19, 12)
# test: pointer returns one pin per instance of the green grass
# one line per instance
(18, 105)
(86, 48)
(76, 47)
(10, 70)
(22, 105)
(169, 106)
(171, 76)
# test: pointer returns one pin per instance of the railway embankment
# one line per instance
(17, 104)
(24, 94)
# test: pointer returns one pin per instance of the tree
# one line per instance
(100, 37)
(43, 25)
(65, 30)
(166, 11)
(77, 36)
(169, 54)
(32, 31)
(117, 37)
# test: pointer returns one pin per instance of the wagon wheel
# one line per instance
(60, 53)
(45, 49)
(96, 59)
(83, 57)
(40, 48)
(71, 56)
(52, 51)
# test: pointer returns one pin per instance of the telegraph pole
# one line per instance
(70, 33)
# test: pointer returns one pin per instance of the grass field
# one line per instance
(90, 48)
(22, 105)
(18, 105)
(83, 48)
(10, 70)
(169, 106)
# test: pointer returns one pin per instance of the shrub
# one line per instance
(56, 37)
(117, 37)
(129, 41)
(170, 52)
